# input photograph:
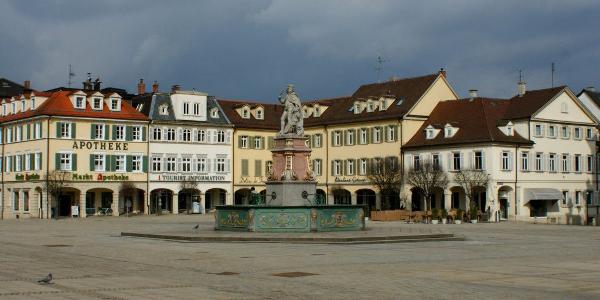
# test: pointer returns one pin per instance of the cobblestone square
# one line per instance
(90, 260)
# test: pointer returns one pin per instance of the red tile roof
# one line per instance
(525, 106)
(59, 104)
(477, 121)
(272, 114)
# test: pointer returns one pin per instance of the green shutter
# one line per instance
(145, 163)
(114, 132)
(144, 133)
(239, 141)
(271, 142)
(250, 142)
(74, 162)
(244, 167)
(91, 162)
(113, 163)
(257, 168)
(129, 133)
(128, 163)
(396, 136)
(368, 139)
(332, 168)
(22, 162)
(106, 131)
(57, 161)
(73, 130)
(93, 131)
(28, 131)
(333, 138)
(262, 142)
(31, 158)
(41, 162)
(58, 125)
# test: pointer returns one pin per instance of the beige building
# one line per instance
(347, 136)
(97, 140)
(538, 148)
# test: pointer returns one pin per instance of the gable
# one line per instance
(439, 90)
(590, 105)
(555, 110)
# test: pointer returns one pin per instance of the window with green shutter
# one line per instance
(74, 162)
(129, 133)
(58, 126)
(57, 161)
(258, 168)
(128, 163)
(244, 167)
(145, 164)
(144, 133)
(92, 156)
(28, 131)
(73, 130)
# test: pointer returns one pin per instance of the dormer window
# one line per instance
(259, 114)
(370, 106)
(14, 108)
(245, 113)
(97, 103)
(356, 108)
(23, 105)
(214, 113)
(317, 111)
(32, 103)
(4, 109)
(429, 133)
(80, 102)
(449, 131)
(510, 131)
(115, 104)
(400, 101)
(163, 110)
(139, 106)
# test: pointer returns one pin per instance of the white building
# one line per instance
(538, 148)
(189, 152)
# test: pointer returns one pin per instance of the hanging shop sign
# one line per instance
(27, 177)
(98, 145)
(100, 177)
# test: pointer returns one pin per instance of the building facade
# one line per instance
(189, 150)
(96, 141)
(346, 134)
(538, 149)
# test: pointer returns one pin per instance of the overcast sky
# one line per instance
(252, 49)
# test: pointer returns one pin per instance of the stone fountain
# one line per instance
(290, 204)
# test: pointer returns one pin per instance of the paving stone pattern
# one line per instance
(90, 260)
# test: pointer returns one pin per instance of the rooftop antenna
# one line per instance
(553, 74)
(71, 75)
(379, 66)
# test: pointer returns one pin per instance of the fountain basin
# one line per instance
(289, 218)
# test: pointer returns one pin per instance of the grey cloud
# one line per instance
(243, 49)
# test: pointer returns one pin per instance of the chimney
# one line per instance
(175, 88)
(473, 94)
(141, 87)
(27, 84)
(522, 88)
(97, 83)
(87, 85)
(442, 72)
(155, 87)
(590, 89)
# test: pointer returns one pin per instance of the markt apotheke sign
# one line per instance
(99, 145)
(99, 177)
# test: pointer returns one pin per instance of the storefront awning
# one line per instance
(543, 194)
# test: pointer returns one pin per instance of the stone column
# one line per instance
(330, 198)
(353, 198)
(447, 200)
(228, 198)
(82, 212)
(378, 200)
(115, 204)
(175, 204)
(201, 195)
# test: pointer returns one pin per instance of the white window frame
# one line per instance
(136, 163)
(454, 160)
(362, 166)
(589, 164)
(363, 136)
(65, 130)
(257, 143)
(577, 163)
(552, 162)
(577, 133)
(120, 132)
(391, 133)
(541, 130)
(186, 108)
(115, 104)
(37, 161)
(506, 161)
(525, 161)
(66, 161)
(337, 167)
(565, 163)
(221, 136)
(18, 162)
(317, 167)
(337, 138)
(120, 163)
(539, 162)
(136, 133)
(96, 103)
(201, 135)
(478, 160)
(186, 164)
(244, 142)
(350, 137)
(564, 132)
(169, 134)
(171, 164)
(220, 165)
(186, 135)
(350, 167)
(201, 164)
(99, 162)
(100, 130)
(196, 109)
(318, 140)
(376, 135)
(157, 163)
(80, 102)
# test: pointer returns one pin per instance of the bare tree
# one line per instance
(472, 181)
(427, 177)
(55, 184)
(387, 177)
(188, 185)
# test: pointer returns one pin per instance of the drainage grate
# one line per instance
(57, 246)
(226, 273)
(294, 274)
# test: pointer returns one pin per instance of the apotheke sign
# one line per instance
(97, 145)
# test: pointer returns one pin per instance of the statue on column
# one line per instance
(292, 119)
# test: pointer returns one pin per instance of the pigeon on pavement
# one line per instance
(46, 280)
(197, 225)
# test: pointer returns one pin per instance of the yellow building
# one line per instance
(348, 135)
(96, 141)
